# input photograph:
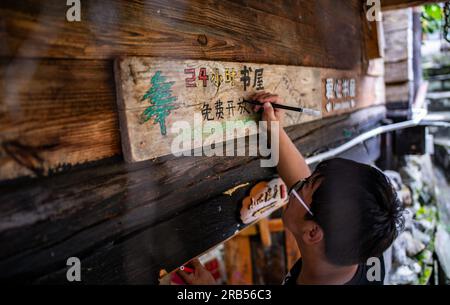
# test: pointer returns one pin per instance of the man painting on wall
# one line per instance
(342, 214)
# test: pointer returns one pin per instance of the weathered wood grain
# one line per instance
(136, 76)
(417, 48)
(398, 45)
(59, 113)
(398, 72)
(127, 221)
(373, 33)
(396, 20)
(55, 114)
(71, 117)
(219, 30)
(400, 92)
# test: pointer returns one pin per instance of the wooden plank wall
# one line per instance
(65, 189)
(60, 109)
(398, 32)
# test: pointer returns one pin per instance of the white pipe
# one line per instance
(418, 116)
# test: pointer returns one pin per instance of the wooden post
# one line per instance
(264, 232)
(238, 261)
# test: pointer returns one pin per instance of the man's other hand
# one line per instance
(200, 276)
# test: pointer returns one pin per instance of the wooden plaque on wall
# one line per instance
(155, 93)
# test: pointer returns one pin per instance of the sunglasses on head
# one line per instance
(294, 191)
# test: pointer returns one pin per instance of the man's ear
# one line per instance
(312, 233)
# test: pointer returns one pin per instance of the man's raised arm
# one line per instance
(291, 165)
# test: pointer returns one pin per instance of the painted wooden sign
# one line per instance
(265, 197)
(340, 94)
(154, 93)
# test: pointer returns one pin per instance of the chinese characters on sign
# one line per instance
(209, 114)
(340, 94)
(250, 78)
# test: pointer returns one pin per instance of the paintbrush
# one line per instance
(307, 111)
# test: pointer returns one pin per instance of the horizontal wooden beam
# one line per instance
(300, 33)
(59, 107)
(58, 113)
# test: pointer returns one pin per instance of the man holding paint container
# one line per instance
(344, 215)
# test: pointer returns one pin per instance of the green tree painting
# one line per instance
(161, 101)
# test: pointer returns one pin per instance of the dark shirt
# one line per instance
(360, 277)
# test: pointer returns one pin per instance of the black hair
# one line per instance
(357, 208)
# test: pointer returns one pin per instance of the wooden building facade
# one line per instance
(65, 189)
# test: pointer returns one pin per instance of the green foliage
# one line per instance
(432, 18)
(426, 212)
(425, 275)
